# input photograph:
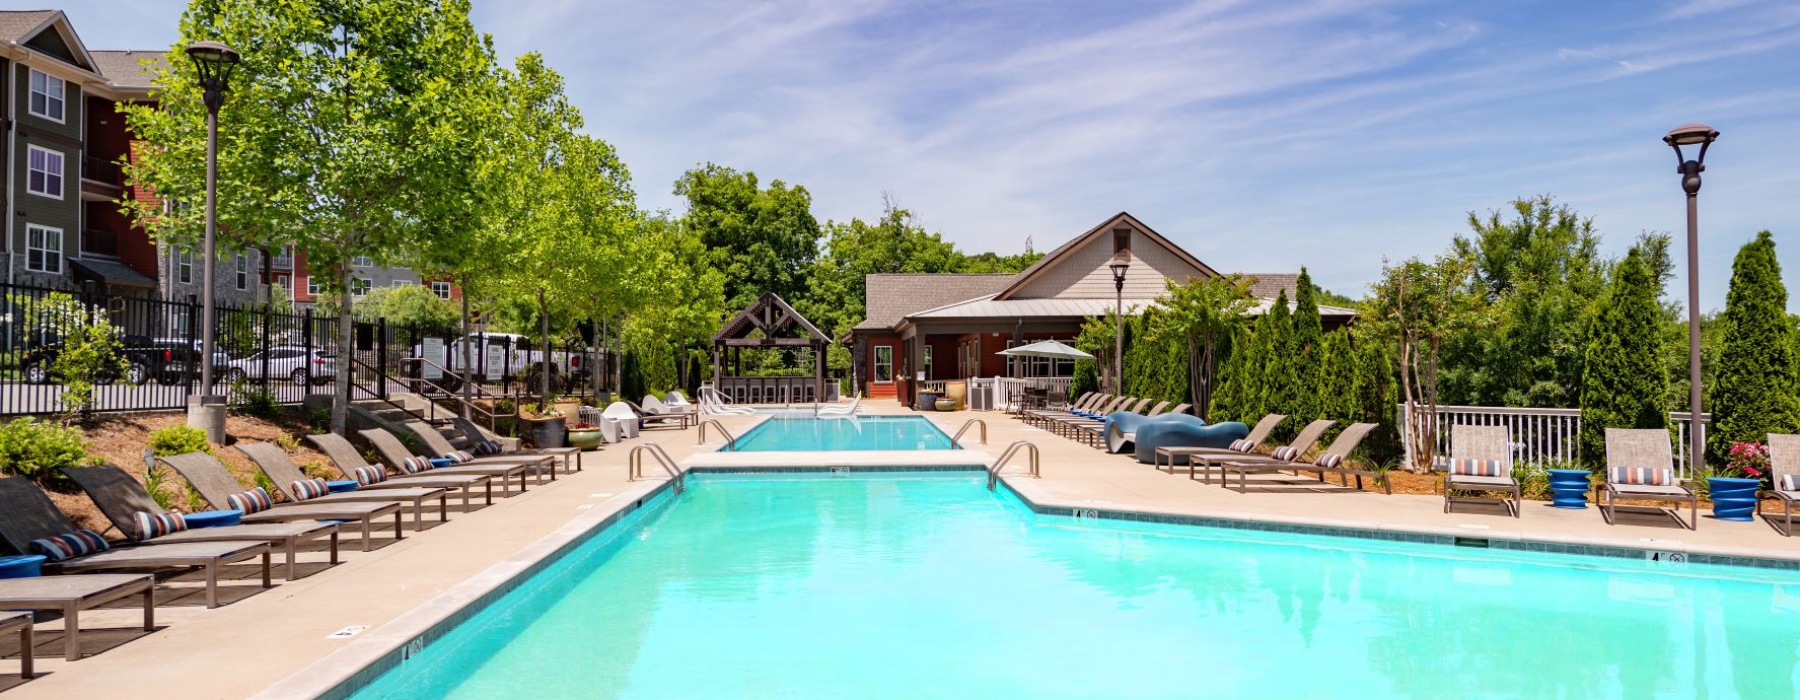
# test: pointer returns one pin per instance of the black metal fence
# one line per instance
(259, 354)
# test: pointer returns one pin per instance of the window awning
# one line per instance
(110, 272)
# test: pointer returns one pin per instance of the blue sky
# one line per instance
(1261, 135)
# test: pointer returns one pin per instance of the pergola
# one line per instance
(781, 328)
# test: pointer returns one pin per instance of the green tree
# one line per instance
(1306, 338)
(1755, 391)
(1537, 270)
(1376, 394)
(1197, 317)
(1273, 361)
(344, 128)
(88, 350)
(855, 250)
(1626, 377)
(1233, 376)
(407, 306)
(763, 239)
(1417, 306)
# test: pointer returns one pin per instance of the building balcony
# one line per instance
(101, 179)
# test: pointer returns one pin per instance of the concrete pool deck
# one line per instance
(265, 636)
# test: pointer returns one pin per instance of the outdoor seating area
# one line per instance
(173, 556)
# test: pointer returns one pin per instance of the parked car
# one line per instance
(145, 359)
(220, 358)
(285, 362)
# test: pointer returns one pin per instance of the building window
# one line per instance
(43, 249)
(46, 96)
(928, 362)
(243, 271)
(362, 261)
(44, 172)
(184, 267)
(361, 285)
(401, 283)
(312, 285)
(884, 363)
(441, 289)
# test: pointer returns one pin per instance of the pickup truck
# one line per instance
(145, 359)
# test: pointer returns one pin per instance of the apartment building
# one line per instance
(64, 139)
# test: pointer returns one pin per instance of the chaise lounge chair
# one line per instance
(20, 622)
(1641, 464)
(221, 490)
(348, 461)
(70, 595)
(1282, 458)
(840, 410)
(1784, 471)
(1481, 461)
(436, 445)
(27, 515)
(1334, 460)
(714, 403)
(399, 457)
(121, 498)
(275, 464)
(476, 437)
(656, 412)
(1247, 446)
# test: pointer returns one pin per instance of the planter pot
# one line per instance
(1568, 488)
(548, 432)
(946, 404)
(587, 439)
(1733, 499)
(21, 566)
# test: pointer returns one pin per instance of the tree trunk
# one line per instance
(468, 377)
(544, 362)
(340, 409)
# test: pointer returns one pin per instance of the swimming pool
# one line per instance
(843, 433)
(891, 586)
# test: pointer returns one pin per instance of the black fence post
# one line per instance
(193, 341)
(381, 356)
(267, 344)
(306, 341)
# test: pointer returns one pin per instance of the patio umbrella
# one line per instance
(1047, 348)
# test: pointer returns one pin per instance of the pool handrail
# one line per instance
(662, 457)
(957, 439)
(730, 440)
(999, 464)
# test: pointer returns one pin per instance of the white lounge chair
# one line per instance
(715, 404)
(618, 422)
(838, 410)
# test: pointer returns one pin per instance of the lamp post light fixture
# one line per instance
(213, 62)
(1121, 262)
(1703, 136)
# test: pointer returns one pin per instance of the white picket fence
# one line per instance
(1538, 435)
(1005, 388)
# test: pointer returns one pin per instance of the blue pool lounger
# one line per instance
(1175, 430)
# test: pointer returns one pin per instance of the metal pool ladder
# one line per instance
(957, 439)
(1031, 452)
(730, 440)
(662, 457)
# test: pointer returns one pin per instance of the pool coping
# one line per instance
(343, 672)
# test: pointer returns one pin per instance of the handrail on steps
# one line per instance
(661, 456)
(999, 464)
(730, 440)
(957, 438)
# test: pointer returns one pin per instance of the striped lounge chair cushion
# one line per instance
(69, 546)
(1329, 461)
(1476, 467)
(1241, 446)
(1288, 453)
(308, 489)
(459, 456)
(1641, 476)
(486, 447)
(151, 525)
(1788, 482)
(369, 475)
(255, 500)
(415, 465)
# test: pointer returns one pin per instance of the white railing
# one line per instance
(1006, 388)
(1537, 435)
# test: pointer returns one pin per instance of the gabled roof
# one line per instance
(770, 314)
(125, 69)
(1056, 257)
(893, 297)
(1266, 285)
(20, 26)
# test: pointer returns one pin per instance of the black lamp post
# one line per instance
(1689, 135)
(213, 62)
(1121, 262)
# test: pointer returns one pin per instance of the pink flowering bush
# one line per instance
(1747, 459)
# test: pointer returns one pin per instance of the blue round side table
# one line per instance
(21, 566)
(1568, 488)
(1733, 499)
(342, 485)
(213, 518)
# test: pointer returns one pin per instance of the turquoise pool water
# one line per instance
(892, 586)
(844, 433)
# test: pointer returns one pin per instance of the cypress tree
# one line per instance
(1754, 394)
(1334, 394)
(1377, 395)
(1307, 353)
(1625, 378)
(1227, 403)
(1275, 385)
